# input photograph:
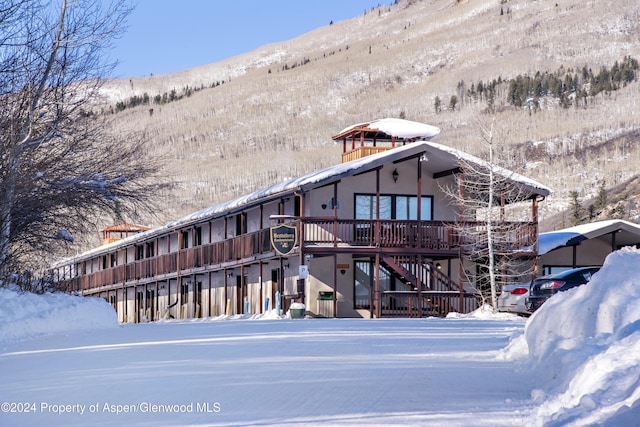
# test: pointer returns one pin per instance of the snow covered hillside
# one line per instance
(65, 361)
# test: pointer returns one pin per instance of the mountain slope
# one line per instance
(257, 118)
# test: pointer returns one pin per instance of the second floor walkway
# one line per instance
(320, 236)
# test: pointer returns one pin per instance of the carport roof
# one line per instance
(627, 234)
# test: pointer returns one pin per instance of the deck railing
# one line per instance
(383, 233)
(328, 232)
(364, 151)
(418, 234)
(438, 304)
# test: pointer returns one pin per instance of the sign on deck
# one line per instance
(284, 238)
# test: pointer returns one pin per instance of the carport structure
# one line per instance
(585, 244)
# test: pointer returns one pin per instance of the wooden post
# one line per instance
(243, 290)
(226, 288)
(372, 295)
(534, 218)
(301, 259)
(335, 285)
(335, 215)
(419, 231)
(178, 278)
(419, 285)
(460, 243)
(377, 230)
(377, 287)
(209, 291)
(260, 282)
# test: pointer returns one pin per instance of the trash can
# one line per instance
(325, 304)
(296, 311)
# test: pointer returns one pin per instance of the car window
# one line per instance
(587, 275)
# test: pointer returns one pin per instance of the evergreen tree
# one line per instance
(453, 102)
(601, 197)
(577, 211)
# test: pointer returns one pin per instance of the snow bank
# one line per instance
(485, 312)
(584, 347)
(269, 315)
(26, 315)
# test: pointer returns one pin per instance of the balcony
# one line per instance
(364, 151)
(320, 236)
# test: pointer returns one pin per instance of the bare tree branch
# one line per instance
(59, 167)
(494, 232)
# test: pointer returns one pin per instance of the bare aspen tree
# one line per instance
(59, 166)
(495, 237)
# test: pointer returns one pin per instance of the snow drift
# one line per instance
(27, 315)
(584, 347)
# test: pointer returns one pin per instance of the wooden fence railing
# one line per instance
(433, 235)
(439, 304)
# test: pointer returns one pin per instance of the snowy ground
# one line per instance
(65, 361)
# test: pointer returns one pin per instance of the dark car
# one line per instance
(541, 289)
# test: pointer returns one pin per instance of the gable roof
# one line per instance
(628, 233)
(440, 158)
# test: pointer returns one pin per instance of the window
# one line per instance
(296, 207)
(275, 278)
(407, 208)
(197, 237)
(184, 293)
(366, 206)
(139, 252)
(393, 207)
(151, 250)
(241, 223)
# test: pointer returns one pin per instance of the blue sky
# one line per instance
(165, 36)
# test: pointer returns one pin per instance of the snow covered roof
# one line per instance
(125, 227)
(451, 156)
(385, 129)
(440, 158)
(628, 234)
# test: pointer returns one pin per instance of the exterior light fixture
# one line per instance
(395, 175)
(438, 266)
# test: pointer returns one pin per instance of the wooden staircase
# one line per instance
(428, 291)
